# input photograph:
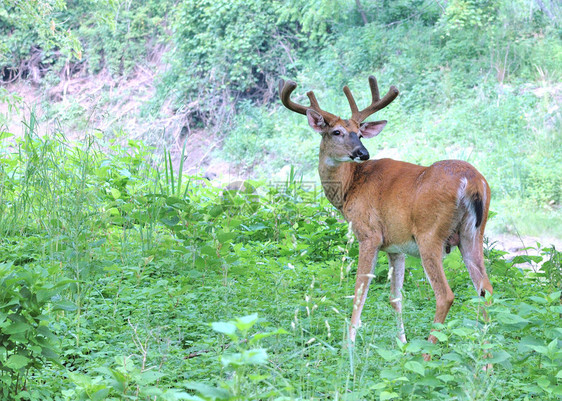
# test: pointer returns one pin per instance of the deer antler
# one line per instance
(285, 90)
(376, 104)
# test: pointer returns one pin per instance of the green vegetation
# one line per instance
(123, 278)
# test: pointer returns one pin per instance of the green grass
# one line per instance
(154, 288)
(520, 217)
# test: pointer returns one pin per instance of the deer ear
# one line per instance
(315, 120)
(372, 128)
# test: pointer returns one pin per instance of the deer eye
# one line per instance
(336, 132)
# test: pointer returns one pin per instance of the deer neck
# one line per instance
(336, 178)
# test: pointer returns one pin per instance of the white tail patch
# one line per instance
(469, 224)
(461, 190)
(484, 200)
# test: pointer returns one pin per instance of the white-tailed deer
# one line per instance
(398, 207)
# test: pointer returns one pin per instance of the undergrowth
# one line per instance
(120, 278)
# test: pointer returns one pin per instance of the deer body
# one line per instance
(426, 204)
(398, 207)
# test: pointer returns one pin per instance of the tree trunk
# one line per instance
(362, 12)
(543, 8)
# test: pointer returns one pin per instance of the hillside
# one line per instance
(479, 81)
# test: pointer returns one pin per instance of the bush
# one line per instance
(222, 50)
(26, 342)
(544, 183)
(118, 36)
(42, 36)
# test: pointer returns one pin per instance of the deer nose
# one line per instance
(360, 152)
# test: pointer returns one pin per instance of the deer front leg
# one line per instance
(431, 253)
(397, 262)
(368, 251)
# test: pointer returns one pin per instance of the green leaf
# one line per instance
(544, 383)
(526, 259)
(462, 332)
(541, 349)
(416, 346)
(415, 366)
(260, 336)
(50, 354)
(171, 219)
(234, 359)
(430, 381)
(207, 391)
(256, 356)
(498, 357)
(115, 193)
(64, 305)
(528, 342)
(446, 378)
(45, 332)
(538, 300)
(393, 375)
(556, 309)
(100, 392)
(257, 227)
(17, 362)
(150, 376)
(208, 250)
(226, 237)
(385, 395)
(510, 318)
(555, 296)
(378, 386)
(15, 328)
(245, 323)
(388, 355)
(175, 202)
(224, 328)
(215, 211)
(452, 356)
(257, 378)
(553, 347)
(440, 335)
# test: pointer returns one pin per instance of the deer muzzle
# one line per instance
(359, 151)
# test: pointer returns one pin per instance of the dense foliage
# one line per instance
(124, 279)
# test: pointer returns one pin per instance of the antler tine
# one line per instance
(285, 90)
(313, 102)
(377, 103)
(351, 100)
(374, 89)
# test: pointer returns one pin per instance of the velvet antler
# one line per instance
(285, 90)
(376, 104)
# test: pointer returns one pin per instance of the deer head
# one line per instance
(341, 139)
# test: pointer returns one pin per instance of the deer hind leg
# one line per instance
(431, 253)
(396, 273)
(471, 247)
(368, 252)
